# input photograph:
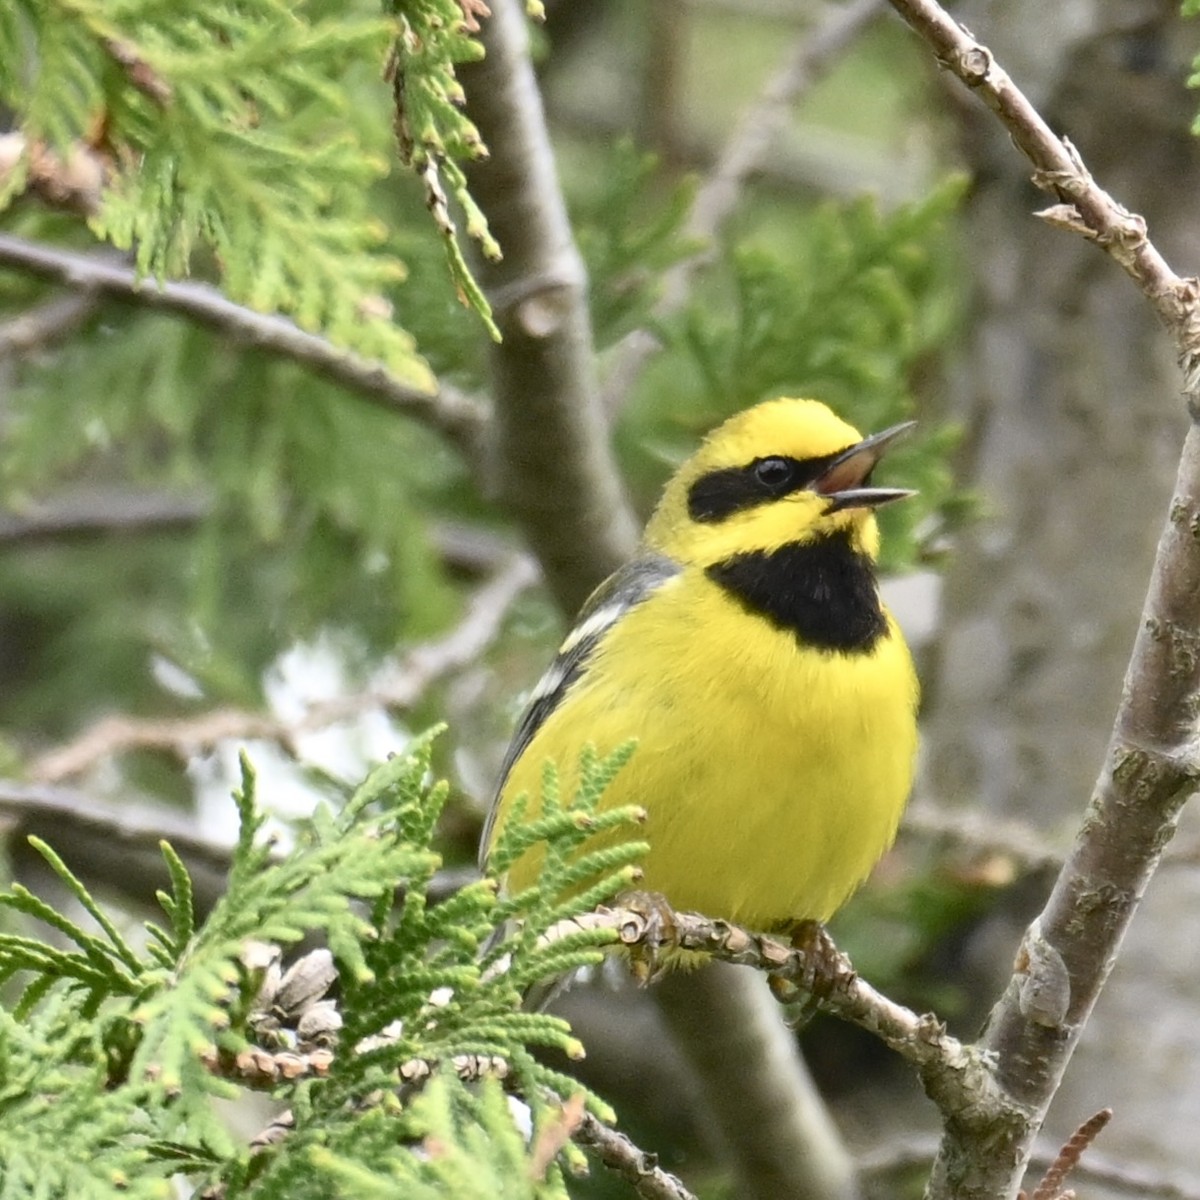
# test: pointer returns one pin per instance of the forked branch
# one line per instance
(1151, 766)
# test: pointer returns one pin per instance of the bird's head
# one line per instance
(782, 472)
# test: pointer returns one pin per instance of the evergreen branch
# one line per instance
(180, 904)
(813, 54)
(264, 1070)
(151, 1049)
(557, 475)
(405, 684)
(121, 949)
(432, 133)
(458, 417)
(615, 1150)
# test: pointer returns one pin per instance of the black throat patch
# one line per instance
(823, 591)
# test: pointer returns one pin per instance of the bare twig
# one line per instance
(955, 1075)
(116, 846)
(45, 324)
(635, 1166)
(810, 57)
(1067, 1159)
(1084, 207)
(1151, 765)
(421, 667)
(459, 417)
(807, 61)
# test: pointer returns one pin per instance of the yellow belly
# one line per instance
(773, 776)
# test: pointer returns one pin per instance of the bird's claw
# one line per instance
(822, 966)
(650, 929)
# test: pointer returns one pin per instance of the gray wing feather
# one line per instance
(624, 589)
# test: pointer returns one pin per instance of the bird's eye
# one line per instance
(773, 473)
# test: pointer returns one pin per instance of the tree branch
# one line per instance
(46, 324)
(956, 1076)
(813, 53)
(421, 667)
(1084, 207)
(883, 1163)
(119, 846)
(556, 473)
(114, 846)
(1151, 765)
(636, 1167)
(104, 511)
(457, 416)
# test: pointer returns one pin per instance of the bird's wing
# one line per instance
(621, 591)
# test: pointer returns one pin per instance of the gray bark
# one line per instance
(1070, 398)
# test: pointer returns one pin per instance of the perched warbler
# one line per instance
(747, 650)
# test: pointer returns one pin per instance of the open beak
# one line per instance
(841, 482)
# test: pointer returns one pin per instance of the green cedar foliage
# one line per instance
(317, 504)
(103, 1082)
(249, 143)
(230, 132)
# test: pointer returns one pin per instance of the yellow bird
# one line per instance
(747, 650)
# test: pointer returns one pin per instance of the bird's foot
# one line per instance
(822, 967)
(649, 935)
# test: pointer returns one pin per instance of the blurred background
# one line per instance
(204, 546)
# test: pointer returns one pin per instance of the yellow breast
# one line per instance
(773, 774)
